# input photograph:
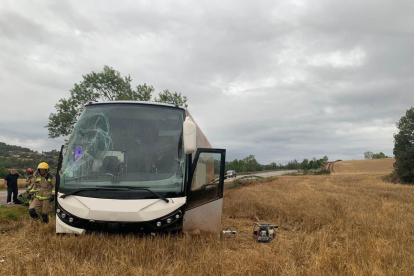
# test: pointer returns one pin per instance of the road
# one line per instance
(3, 196)
(264, 174)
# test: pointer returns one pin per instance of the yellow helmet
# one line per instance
(43, 165)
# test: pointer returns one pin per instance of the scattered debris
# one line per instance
(265, 232)
(262, 232)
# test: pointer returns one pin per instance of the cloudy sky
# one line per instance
(277, 79)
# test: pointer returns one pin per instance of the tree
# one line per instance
(368, 154)
(293, 165)
(251, 164)
(404, 147)
(379, 155)
(107, 85)
(371, 155)
(173, 98)
(305, 164)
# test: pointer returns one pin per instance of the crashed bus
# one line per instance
(138, 167)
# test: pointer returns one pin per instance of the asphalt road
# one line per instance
(264, 174)
(3, 196)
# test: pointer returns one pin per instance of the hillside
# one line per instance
(21, 158)
(366, 166)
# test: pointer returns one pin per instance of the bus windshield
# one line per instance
(133, 145)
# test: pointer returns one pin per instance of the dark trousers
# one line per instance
(11, 190)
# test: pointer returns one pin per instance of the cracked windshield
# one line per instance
(126, 145)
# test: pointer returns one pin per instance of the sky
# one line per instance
(280, 80)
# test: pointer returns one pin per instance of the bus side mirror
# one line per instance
(189, 133)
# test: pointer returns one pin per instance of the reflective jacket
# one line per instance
(30, 180)
(44, 186)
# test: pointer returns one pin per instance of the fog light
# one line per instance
(63, 215)
(70, 220)
(159, 223)
(169, 220)
(177, 216)
(58, 211)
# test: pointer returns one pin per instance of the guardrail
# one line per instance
(247, 173)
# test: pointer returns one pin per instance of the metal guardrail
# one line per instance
(251, 176)
(248, 173)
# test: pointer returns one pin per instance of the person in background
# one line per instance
(10, 183)
(30, 180)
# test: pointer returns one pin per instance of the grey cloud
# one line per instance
(16, 27)
(281, 80)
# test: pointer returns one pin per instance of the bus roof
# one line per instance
(136, 102)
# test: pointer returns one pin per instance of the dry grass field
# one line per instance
(21, 183)
(344, 224)
(366, 166)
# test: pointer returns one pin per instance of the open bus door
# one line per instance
(204, 191)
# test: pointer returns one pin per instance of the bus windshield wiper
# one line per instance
(89, 189)
(141, 188)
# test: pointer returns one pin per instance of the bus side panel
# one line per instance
(206, 217)
(201, 141)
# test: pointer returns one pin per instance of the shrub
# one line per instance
(391, 178)
(322, 172)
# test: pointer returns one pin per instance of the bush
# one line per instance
(322, 172)
(391, 178)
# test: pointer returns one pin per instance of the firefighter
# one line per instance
(44, 191)
(30, 180)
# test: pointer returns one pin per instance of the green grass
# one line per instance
(12, 213)
(245, 182)
(309, 172)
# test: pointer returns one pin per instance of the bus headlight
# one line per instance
(167, 220)
(65, 216)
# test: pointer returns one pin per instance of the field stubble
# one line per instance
(345, 224)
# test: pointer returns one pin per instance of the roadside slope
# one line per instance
(366, 166)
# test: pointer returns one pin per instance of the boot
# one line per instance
(45, 218)
(33, 213)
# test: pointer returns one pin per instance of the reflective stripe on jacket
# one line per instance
(30, 180)
(44, 186)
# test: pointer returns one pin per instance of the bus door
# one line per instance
(204, 191)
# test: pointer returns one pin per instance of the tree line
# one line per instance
(250, 164)
(371, 155)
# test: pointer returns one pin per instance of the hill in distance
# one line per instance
(21, 158)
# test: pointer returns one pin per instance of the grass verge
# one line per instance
(12, 217)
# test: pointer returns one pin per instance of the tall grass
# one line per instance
(344, 224)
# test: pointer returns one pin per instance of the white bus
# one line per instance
(138, 167)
